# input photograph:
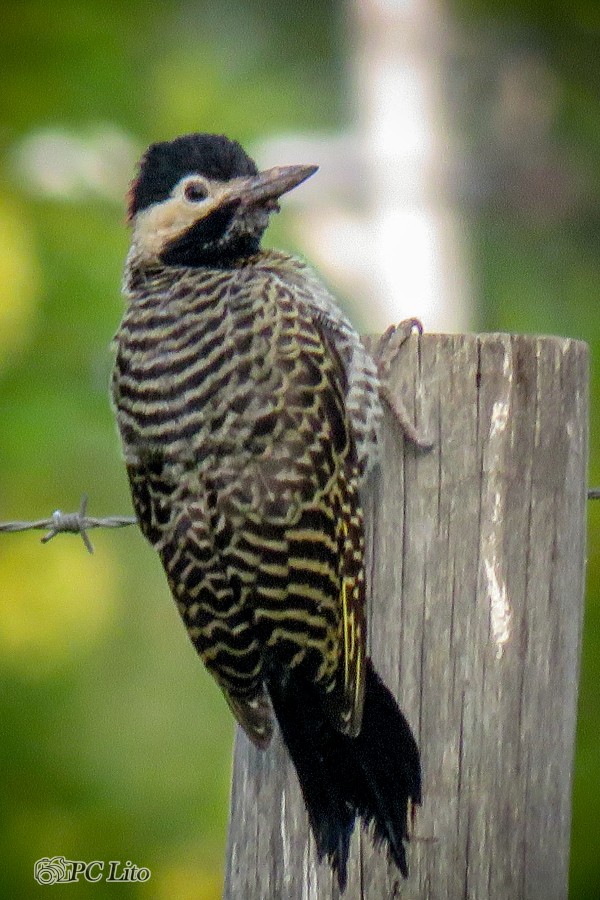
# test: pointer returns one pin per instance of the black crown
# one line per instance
(166, 163)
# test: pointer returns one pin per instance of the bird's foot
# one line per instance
(391, 341)
(388, 347)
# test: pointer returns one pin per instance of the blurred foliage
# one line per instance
(116, 744)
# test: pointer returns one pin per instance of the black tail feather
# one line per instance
(375, 775)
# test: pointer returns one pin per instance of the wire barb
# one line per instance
(72, 523)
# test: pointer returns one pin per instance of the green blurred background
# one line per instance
(114, 742)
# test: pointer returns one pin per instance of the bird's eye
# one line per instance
(195, 191)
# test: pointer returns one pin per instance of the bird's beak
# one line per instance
(271, 184)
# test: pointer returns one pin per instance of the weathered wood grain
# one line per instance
(477, 574)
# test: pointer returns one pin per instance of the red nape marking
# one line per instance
(131, 199)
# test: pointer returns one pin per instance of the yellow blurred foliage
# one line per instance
(56, 602)
(19, 281)
(186, 882)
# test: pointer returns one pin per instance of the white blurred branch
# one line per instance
(380, 219)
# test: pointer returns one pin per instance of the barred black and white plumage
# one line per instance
(248, 411)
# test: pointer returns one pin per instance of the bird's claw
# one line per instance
(390, 342)
(387, 349)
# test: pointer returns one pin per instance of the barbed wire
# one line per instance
(71, 523)
(80, 523)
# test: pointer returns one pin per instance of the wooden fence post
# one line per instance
(477, 575)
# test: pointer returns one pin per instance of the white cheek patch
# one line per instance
(162, 223)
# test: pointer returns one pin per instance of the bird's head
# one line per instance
(200, 200)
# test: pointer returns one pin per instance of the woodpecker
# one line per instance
(249, 411)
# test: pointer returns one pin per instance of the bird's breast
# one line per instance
(237, 386)
(199, 376)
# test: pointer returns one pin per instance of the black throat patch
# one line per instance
(207, 243)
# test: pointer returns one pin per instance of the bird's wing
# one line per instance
(344, 498)
(304, 520)
(362, 391)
